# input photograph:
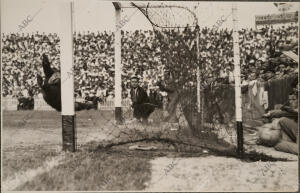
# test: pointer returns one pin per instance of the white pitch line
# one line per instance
(22, 177)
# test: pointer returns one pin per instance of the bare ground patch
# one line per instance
(221, 174)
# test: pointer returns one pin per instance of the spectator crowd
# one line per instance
(148, 54)
(262, 55)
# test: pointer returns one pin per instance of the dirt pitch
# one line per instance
(33, 160)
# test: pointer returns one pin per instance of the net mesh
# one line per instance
(191, 58)
(162, 15)
(177, 39)
(177, 123)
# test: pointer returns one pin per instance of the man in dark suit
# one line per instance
(51, 88)
(140, 101)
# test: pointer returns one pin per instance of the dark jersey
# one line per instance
(51, 88)
(52, 94)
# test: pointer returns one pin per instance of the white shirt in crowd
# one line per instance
(25, 93)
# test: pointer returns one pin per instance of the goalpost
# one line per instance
(66, 9)
(237, 79)
(118, 65)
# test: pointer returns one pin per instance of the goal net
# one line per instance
(198, 107)
(190, 108)
(207, 102)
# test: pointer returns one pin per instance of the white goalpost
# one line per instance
(66, 9)
(118, 65)
(237, 77)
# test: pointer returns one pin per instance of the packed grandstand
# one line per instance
(261, 54)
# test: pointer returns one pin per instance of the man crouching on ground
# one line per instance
(140, 101)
